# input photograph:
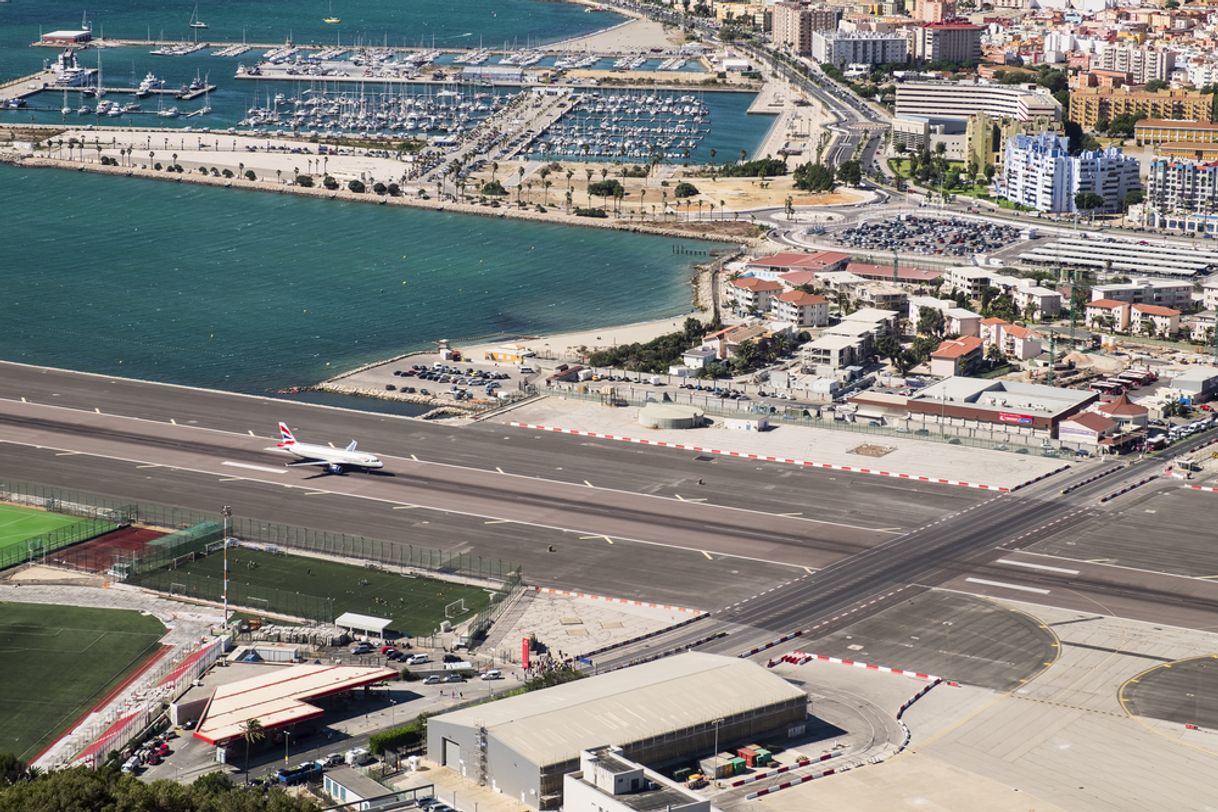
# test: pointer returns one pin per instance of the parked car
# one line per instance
(434, 679)
(454, 678)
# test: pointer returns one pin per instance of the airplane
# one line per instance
(335, 460)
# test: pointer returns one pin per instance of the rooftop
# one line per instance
(1095, 422)
(756, 283)
(957, 347)
(1156, 310)
(552, 726)
(1004, 396)
(278, 697)
(1107, 304)
(1122, 407)
(802, 298)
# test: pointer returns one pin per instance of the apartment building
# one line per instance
(1089, 105)
(1039, 172)
(1143, 64)
(964, 99)
(1178, 295)
(951, 41)
(1182, 186)
(801, 308)
(1157, 131)
(794, 23)
(842, 48)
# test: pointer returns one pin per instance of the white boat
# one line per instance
(195, 22)
(169, 112)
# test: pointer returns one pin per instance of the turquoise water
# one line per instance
(451, 23)
(251, 291)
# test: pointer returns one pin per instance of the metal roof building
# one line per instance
(658, 712)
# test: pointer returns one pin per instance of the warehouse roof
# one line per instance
(622, 707)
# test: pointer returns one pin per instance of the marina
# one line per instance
(639, 125)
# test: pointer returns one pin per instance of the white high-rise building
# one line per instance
(1039, 172)
(844, 48)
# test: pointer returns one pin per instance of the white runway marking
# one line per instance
(983, 582)
(266, 469)
(1044, 567)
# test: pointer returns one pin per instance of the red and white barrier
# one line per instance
(626, 601)
(1206, 488)
(803, 779)
(802, 658)
(762, 457)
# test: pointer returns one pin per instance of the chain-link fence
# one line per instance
(500, 601)
(38, 547)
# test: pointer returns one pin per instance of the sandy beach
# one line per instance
(635, 35)
(567, 345)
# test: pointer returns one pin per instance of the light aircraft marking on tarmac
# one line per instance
(334, 460)
(1032, 566)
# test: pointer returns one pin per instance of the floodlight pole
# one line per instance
(716, 723)
(227, 513)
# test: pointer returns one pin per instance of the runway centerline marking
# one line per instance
(249, 466)
(498, 521)
(983, 582)
(404, 507)
(1031, 566)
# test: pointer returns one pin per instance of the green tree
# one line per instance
(685, 189)
(252, 733)
(249, 175)
(814, 177)
(356, 186)
(931, 322)
(1088, 201)
(330, 183)
(493, 188)
(850, 173)
(1132, 199)
(304, 180)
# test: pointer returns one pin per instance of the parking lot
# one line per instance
(929, 235)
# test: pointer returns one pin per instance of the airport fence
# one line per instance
(197, 533)
(503, 597)
(38, 547)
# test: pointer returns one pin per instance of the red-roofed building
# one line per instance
(794, 279)
(801, 308)
(956, 356)
(1018, 343)
(883, 273)
(1125, 412)
(752, 294)
(1107, 314)
(1154, 320)
(798, 261)
(1087, 428)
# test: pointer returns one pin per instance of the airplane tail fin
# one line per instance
(286, 437)
(351, 446)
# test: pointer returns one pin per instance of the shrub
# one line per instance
(249, 175)
(685, 190)
(356, 186)
(380, 188)
(394, 190)
(493, 188)
(330, 183)
(605, 188)
(304, 180)
(585, 212)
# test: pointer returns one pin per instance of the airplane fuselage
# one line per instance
(334, 456)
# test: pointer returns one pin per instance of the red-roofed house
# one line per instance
(801, 308)
(752, 294)
(956, 356)
(1154, 320)
(1086, 428)
(793, 279)
(1125, 412)
(1107, 314)
(1016, 342)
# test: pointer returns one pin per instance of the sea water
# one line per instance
(252, 292)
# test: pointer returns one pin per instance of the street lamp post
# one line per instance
(716, 723)
(227, 513)
(287, 737)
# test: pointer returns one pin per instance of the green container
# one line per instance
(763, 758)
(738, 766)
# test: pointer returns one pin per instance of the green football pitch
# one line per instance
(310, 587)
(18, 524)
(58, 661)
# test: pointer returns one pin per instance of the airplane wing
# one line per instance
(351, 447)
(309, 462)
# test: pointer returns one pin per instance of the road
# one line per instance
(595, 516)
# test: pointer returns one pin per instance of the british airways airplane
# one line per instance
(335, 460)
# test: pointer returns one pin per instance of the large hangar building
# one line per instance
(660, 712)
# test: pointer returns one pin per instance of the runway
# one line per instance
(769, 549)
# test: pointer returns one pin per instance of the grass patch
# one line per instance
(305, 587)
(17, 524)
(58, 662)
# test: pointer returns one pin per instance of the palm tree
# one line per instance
(604, 173)
(494, 169)
(252, 732)
(545, 199)
(570, 174)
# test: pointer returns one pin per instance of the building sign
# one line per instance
(524, 652)
(1018, 419)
